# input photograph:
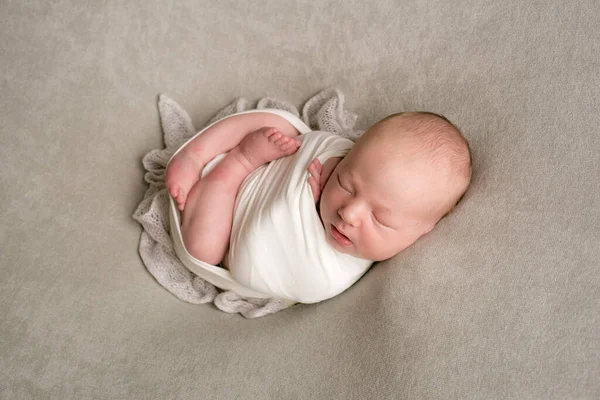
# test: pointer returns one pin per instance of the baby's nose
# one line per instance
(350, 215)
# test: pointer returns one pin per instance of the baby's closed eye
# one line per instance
(340, 184)
(380, 222)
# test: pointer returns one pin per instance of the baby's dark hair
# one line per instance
(443, 141)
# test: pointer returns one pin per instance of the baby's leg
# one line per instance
(185, 169)
(208, 213)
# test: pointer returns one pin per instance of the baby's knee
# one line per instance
(203, 250)
(208, 255)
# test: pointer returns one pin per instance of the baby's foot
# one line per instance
(265, 145)
(182, 173)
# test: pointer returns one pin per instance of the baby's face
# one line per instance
(375, 205)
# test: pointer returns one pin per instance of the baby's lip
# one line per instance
(340, 237)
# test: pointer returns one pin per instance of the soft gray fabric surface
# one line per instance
(500, 301)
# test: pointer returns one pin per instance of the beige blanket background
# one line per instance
(501, 301)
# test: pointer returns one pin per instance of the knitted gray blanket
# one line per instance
(323, 112)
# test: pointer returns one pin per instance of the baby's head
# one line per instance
(401, 177)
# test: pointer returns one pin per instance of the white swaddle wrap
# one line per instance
(278, 248)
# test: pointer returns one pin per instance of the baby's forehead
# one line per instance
(385, 151)
(386, 164)
(370, 157)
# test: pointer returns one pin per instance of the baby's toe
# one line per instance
(282, 140)
(268, 132)
(274, 135)
(181, 199)
(179, 196)
(287, 147)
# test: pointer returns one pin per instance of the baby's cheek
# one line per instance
(378, 244)
(330, 204)
(324, 203)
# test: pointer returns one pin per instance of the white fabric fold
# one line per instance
(278, 244)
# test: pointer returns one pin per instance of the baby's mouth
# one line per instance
(340, 237)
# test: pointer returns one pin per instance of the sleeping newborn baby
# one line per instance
(370, 200)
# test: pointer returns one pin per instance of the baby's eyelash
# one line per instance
(379, 222)
(340, 183)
